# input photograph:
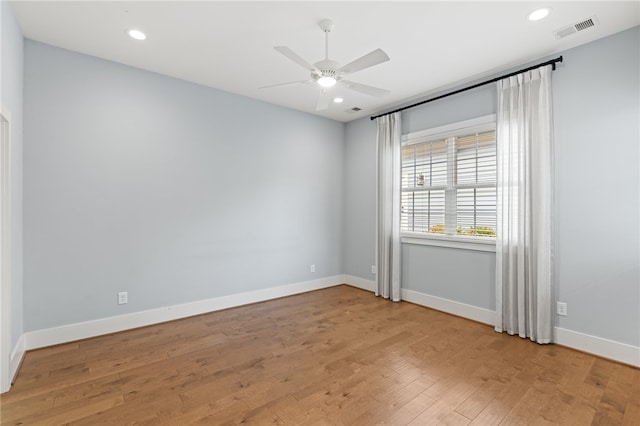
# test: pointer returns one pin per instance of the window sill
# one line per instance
(458, 242)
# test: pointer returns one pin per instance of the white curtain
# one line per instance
(524, 235)
(388, 207)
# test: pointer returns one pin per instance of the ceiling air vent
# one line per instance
(584, 24)
(578, 26)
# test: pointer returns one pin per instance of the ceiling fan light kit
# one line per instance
(326, 81)
(327, 73)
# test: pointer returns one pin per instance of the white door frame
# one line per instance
(5, 250)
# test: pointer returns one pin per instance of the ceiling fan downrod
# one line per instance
(327, 26)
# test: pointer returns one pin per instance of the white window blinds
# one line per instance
(449, 184)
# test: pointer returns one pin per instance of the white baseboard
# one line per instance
(16, 358)
(471, 312)
(621, 352)
(68, 333)
(616, 351)
(358, 282)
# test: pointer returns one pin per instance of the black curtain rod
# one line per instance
(551, 62)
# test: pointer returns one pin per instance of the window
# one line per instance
(449, 180)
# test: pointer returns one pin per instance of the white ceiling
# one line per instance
(229, 45)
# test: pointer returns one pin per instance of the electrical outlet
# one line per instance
(123, 298)
(561, 309)
(312, 268)
(374, 270)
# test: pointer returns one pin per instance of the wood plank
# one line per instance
(338, 356)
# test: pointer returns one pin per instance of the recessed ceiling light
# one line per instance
(326, 81)
(536, 15)
(137, 34)
(338, 100)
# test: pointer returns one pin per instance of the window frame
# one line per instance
(478, 243)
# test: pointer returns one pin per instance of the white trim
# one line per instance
(485, 316)
(361, 283)
(605, 348)
(465, 243)
(68, 333)
(5, 249)
(16, 358)
(480, 124)
(616, 351)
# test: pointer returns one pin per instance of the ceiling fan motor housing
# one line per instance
(327, 67)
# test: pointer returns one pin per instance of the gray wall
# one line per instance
(597, 191)
(176, 192)
(596, 113)
(426, 269)
(360, 201)
(169, 190)
(12, 99)
(462, 275)
(465, 276)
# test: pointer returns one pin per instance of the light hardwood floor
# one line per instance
(338, 356)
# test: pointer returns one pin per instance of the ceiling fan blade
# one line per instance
(291, 83)
(323, 101)
(363, 88)
(296, 58)
(370, 59)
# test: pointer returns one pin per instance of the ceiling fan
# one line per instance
(327, 73)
